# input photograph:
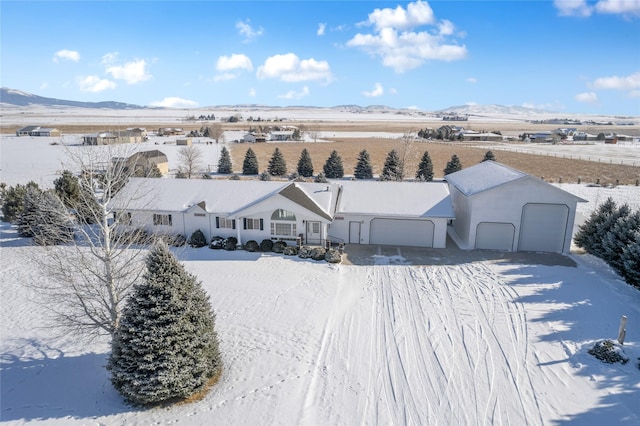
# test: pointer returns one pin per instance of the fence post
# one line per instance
(622, 331)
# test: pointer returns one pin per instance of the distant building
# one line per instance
(185, 142)
(38, 131)
(170, 131)
(143, 160)
(254, 137)
(110, 138)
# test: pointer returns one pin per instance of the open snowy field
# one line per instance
(472, 339)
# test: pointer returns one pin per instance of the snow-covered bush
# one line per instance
(135, 236)
(216, 243)
(174, 240)
(266, 245)
(631, 262)
(317, 253)
(197, 239)
(333, 256)
(290, 251)
(166, 347)
(278, 246)
(230, 244)
(607, 351)
(304, 252)
(251, 246)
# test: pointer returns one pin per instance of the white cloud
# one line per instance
(174, 102)
(573, 7)
(109, 58)
(471, 103)
(587, 97)
(378, 90)
(625, 83)
(224, 77)
(245, 29)
(252, 92)
(236, 61)
(402, 49)
(290, 68)
(131, 72)
(70, 55)
(418, 13)
(321, 28)
(472, 80)
(95, 84)
(292, 94)
(623, 7)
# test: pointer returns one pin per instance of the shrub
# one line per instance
(230, 244)
(197, 239)
(290, 251)
(609, 352)
(216, 243)
(304, 252)
(266, 246)
(278, 246)
(333, 256)
(175, 240)
(135, 236)
(251, 246)
(317, 253)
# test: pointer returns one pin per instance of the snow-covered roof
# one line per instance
(483, 176)
(408, 199)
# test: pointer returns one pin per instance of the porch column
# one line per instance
(239, 222)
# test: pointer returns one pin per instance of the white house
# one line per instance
(497, 207)
(392, 213)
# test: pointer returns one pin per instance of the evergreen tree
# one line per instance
(488, 156)
(53, 225)
(586, 232)
(27, 219)
(265, 176)
(250, 164)
(391, 169)
(621, 235)
(224, 163)
(333, 168)
(67, 188)
(453, 165)
(630, 261)
(597, 245)
(277, 164)
(425, 168)
(363, 168)
(166, 347)
(320, 178)
(305, 166)
(13, 201)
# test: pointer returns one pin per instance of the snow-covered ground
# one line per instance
(480, 340)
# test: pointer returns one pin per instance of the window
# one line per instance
(199, 214)
(286, 229)
(123, 218)
(281, 214)
(252, 223)
(162, 219)
(224, 222)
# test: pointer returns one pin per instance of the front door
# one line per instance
(354, 232)
(313, 233)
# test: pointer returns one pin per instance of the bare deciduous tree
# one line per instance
(191, 160)
(406, 152)
(216, 132)
(88, 279)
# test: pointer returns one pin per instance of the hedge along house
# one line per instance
(247, 210)
(500, 208)
(393, 213)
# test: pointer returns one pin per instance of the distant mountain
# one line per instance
(18, 98)
(492, 110)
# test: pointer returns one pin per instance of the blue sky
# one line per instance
(573, 56)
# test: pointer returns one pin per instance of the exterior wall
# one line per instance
(504, 205)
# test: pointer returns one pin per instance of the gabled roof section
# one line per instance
(483, 176)
(296, 194)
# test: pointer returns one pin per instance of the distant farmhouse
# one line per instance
(110, 138)
(142, 161)
(170, 131)
(487, 206)
(38, 131)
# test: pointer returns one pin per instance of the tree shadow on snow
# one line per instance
(53, 386)
(579, 307)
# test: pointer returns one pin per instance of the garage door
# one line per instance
(418, 233)
(495, 236)
(543, 227)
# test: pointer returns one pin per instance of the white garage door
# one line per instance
(495, 236)
(399, 232)
(543, 227)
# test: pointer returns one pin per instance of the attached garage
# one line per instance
(543, 227)
(495, 236)
(500, 208)
(402, 232)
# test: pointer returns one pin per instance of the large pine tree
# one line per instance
(277, 164)
(631, 261)
(488, 156)
(166, 347)
(363, 168)
(453, 165)
(392, 169)
(333, 168)
(585, 235)
(250, 164)
(305, 166)
(68, 188)
(425, 168)
(224, 163)
(622, 234)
